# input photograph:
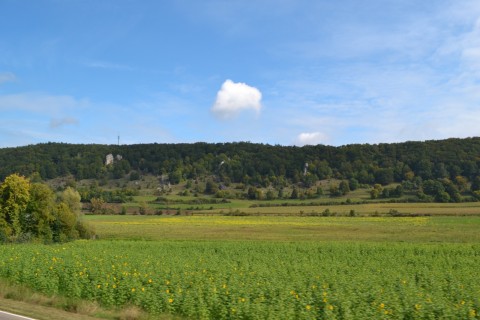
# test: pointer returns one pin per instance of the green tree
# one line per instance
(452, 190)
(252, 193)
(310, 180)
(384, 176)
(475, 186)
(335, 191)
(353, 184)
(72, 198)
(398, 191)
(433, 187)
(176, 177)
(376, 191)
(142, 208)
(344, 187)
(63, 226)
(294, 194)
(211, 187)
(363, 176)
(319, 191)
(280, 193)
(40, 212)
(323, 169)
(442, 197)
(424, 169)
(134, 175)
(259, 194)
(29, 211)
(97, 206)
(462, 183)
(270, 194)
(14, 198)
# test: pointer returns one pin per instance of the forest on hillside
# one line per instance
(439, 167)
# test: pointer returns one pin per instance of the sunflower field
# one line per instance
(258, 280)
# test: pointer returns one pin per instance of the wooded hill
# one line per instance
(254, 164)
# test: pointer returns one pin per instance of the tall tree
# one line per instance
(14, 197)
(72, 198)
(40, 212)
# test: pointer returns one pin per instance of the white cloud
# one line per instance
(236, 97)
(7, 77)
(385, 94)
(239, 18)
(107, 65)
(470, 48)
(311, 138)
(56, 123)
(37, 102)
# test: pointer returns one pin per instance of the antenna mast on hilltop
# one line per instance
(118, 139)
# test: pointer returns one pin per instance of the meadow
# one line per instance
(265, 267)
(258, 280)
(288, 207)
(289, 228)
(282, 246)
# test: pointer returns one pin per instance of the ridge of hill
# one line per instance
(250, 163)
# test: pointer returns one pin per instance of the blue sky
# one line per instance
(289, 72)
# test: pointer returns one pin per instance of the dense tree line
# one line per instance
(255, 164)
(33, 212)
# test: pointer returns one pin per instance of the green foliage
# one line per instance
(271, 195)
(41, 209)
(31, 211)
(294, 194)
(476, 194)
(252, 193)
(97, 206)
(263, 166)
(280, 195)
(396, 192)
(376, 191)
(258, 280)
(120, 169)
(442, 190)
(71, 198)
(309, 180)
(344, 187)
(64, 224)
(211, 187)
(143, 208)
(335, 190)
(384, 176)
(353, 184)
(14, 198)
(134, 175)
(475, 184)
(111, 196)
(176, 176)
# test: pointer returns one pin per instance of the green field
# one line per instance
(280, 228)
(266, 267)
(259, 280)
(336, 206)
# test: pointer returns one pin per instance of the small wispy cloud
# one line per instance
(470, 48)
(38, 102)
(60, 122)
(399, 85)
(7, 77)
(235, 97)
(108, 65)
(310, 138)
